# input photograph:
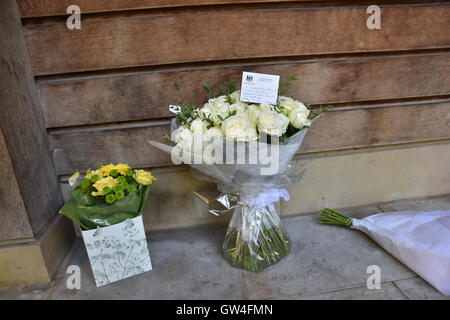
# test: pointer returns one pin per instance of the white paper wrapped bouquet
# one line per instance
(245, 148)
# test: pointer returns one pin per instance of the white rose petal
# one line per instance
(198, 126)
(266, 107)
(215, 132)
(299, 118)
(236, 96)
(239, 128)
(238, 107)
(253, 112)
(273, 123)
(212, 134)
(183, 138)
(296, 112)
(216, 109)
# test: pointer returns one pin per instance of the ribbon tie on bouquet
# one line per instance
(265, 198)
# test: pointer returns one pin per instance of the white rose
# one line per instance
(183, 138)
(266, 107)
(286, 103)
(205, 111)
(215, 132)
(198, 126)
(299, 118)
(212, 134)
(215, 109)
(253, 112)
(221, 105)
(239, 107)
(239, 128)
(273, 123)
(236, 96)
(296, 112)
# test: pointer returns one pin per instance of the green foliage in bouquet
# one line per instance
(108, 196)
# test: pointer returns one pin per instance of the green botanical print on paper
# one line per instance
(115, 257)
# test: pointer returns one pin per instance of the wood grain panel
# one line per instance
(39, 8)
(147, 95)
(341, 129)
(222, 35)
(14, 223)
(23, 130)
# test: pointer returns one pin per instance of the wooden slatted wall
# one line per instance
(105, 88)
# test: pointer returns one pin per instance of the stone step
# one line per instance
(326, 262)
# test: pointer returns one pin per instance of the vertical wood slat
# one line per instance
(24, 134)
(14, 223)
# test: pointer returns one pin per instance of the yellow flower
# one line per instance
(73, 178)
(143, 177)
(90, 173)
(104, 182)
(120, 168)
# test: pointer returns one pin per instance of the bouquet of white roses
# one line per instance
(245, 148)
(226, 116)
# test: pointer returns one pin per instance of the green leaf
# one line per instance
(228, 99)
(86, 183)
(231, 86)
(168, 139)
(319, 111)
(222, 90)
(286, 83)
(210, 123)
(186, 114)
(206, 87)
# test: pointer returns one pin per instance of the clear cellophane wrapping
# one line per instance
(255, 237)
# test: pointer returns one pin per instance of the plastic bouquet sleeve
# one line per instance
(107, 196)
(89, 215)
(419, 239)
(255, 237)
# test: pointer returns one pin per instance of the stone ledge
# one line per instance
(36, 262)
(340, 179)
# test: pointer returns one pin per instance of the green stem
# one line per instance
(330, 216)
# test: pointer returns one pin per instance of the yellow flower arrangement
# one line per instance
(114, 191)
(115, 178)
(120, 168)
(143, 177)
(90, 173)
(102, 183)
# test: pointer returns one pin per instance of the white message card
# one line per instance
(259, 87)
